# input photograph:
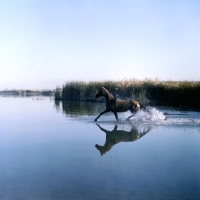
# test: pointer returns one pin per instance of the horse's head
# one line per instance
(102, 149)
(101, 92)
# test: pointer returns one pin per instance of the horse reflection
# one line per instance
(116, 136)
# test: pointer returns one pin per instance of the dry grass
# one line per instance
(154, 92)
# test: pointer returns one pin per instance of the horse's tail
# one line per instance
(148, 109)
(144, 108)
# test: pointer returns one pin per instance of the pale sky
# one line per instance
(45, 43)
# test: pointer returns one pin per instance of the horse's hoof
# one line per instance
(95, 120)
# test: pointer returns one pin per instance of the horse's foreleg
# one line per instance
(116, 116)
(105, 111)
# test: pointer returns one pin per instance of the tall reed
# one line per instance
(153, 92)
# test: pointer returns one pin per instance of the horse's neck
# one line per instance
(109, 96)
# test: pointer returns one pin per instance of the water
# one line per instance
(52, 150)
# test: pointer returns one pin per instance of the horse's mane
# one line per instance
(108, 93)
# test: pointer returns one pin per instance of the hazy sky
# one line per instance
(44, 43)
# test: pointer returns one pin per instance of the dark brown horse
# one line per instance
(117, 105)
(116, 136)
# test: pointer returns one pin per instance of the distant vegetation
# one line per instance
(185, 94)
(27, 92)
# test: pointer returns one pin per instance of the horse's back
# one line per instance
(123, 105)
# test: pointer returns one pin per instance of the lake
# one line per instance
(55, 150)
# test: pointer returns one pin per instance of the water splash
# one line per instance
(149, 114)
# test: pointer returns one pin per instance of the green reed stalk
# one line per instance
(153, 92)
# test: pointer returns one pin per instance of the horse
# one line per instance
(117, 105)
(116, 136)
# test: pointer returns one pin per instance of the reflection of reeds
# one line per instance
(78, 108)
(156, 92)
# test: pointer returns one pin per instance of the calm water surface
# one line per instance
(54, 150)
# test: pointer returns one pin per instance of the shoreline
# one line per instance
(178, 94)
(27, 92)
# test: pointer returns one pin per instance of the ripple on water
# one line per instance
(151, 116)
(170, 117)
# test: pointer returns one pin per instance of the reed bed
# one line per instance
(153, 92)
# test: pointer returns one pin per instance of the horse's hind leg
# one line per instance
(130, 116)
(133, 111)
